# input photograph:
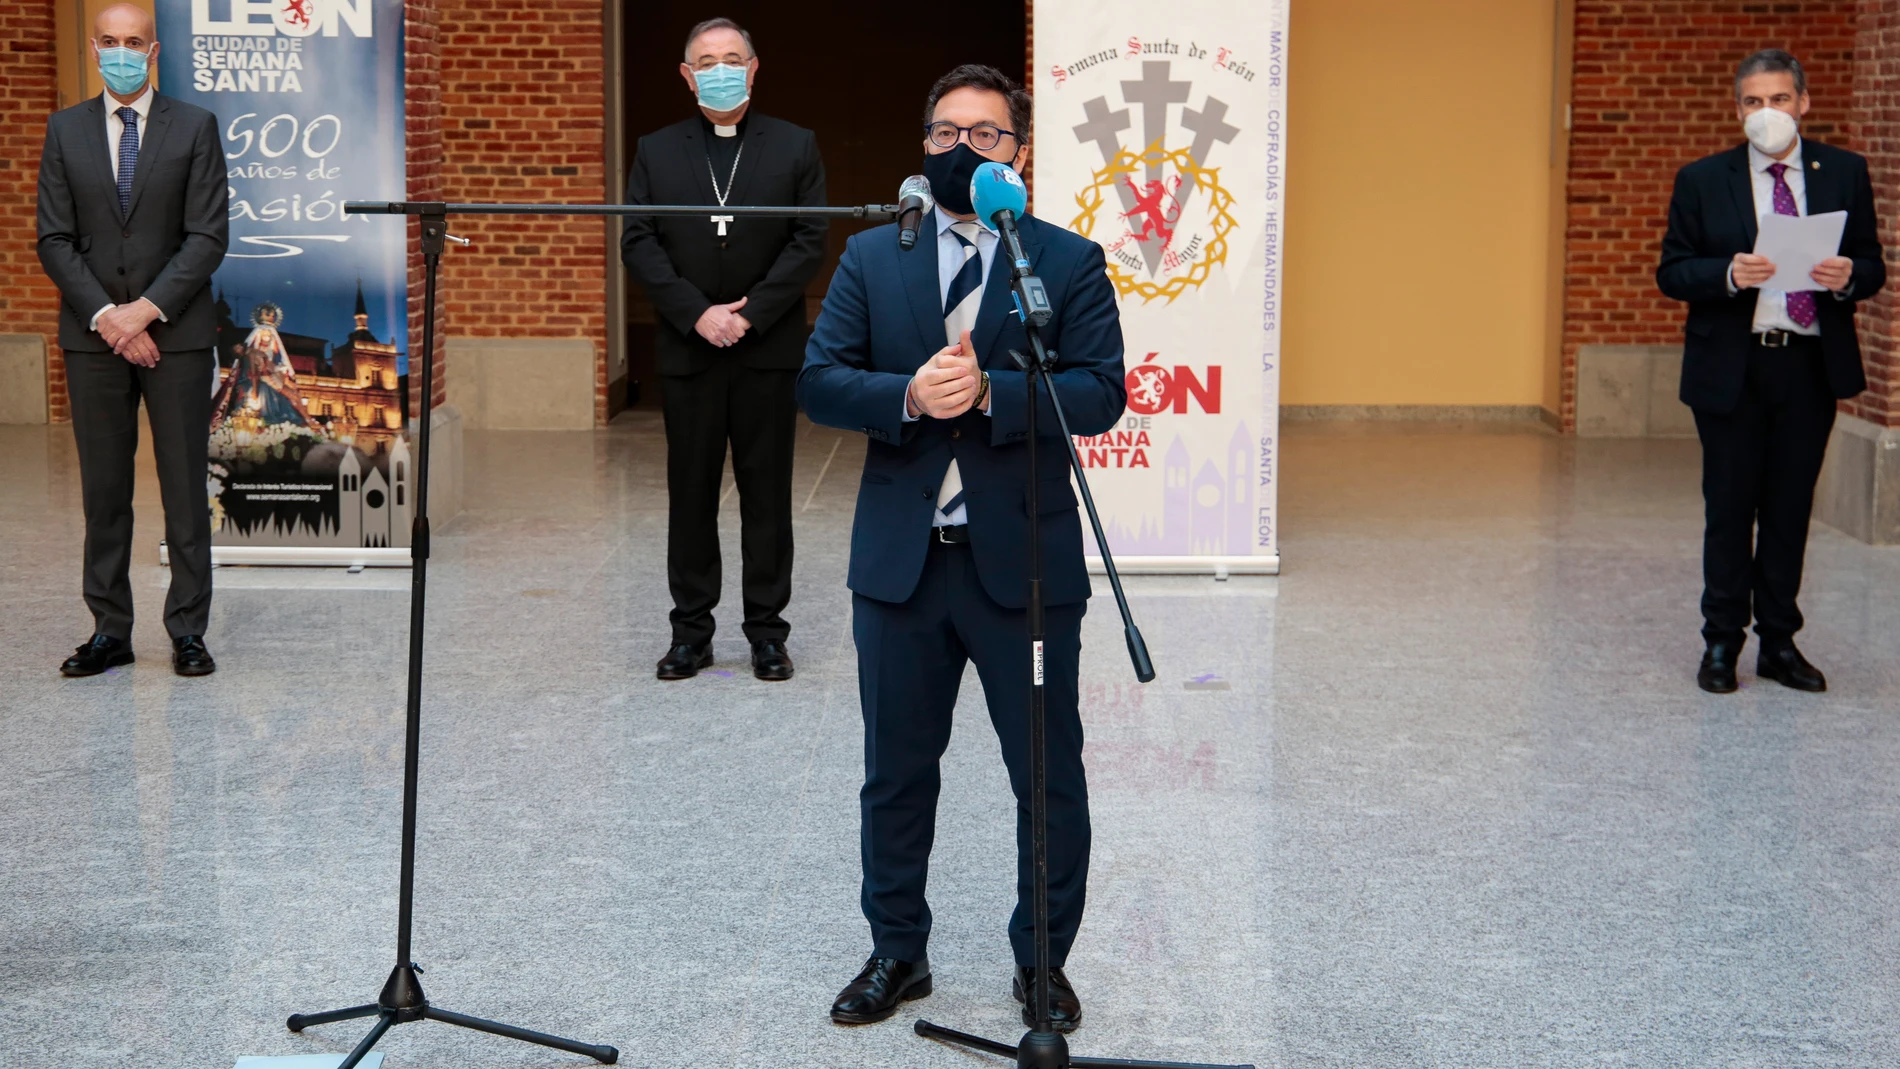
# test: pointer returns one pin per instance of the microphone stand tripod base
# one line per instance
(1048, 1050)
(1036, 1050)
(402, 1002)
(1042, 1050)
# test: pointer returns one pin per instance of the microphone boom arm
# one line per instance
(872, 212)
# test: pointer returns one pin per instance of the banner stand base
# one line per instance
(1218, 567)
(302, 556)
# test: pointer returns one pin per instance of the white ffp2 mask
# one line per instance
(1771, 130)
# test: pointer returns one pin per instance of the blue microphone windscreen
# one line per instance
(994, 188)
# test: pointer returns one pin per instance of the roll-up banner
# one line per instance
(1160, 133)
(310, 445)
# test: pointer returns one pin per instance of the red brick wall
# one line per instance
(1877, 109)
(29, 91)
(29, 303)
(422, 150)
(1653, 90)
(524, 120)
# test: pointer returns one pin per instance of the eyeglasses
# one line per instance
(983, 136)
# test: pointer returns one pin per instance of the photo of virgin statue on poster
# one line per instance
(309, 430)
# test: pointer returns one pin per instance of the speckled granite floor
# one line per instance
(1459, 803)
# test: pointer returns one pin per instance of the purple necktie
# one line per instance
(1800, 305)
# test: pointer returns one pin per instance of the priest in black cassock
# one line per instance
(730, 297)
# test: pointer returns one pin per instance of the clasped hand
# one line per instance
(946, 386)
(722, 324)
(124, 328)
(1750, 271)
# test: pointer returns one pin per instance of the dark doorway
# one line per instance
(853, 73)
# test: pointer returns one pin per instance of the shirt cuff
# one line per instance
(1730, 275)
(905, 402)
(1846, 293)
(94, 325)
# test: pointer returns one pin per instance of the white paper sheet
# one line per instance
(1796, 245)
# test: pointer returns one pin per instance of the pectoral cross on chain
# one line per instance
(722, 220)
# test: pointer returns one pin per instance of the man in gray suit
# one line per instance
(132, 221)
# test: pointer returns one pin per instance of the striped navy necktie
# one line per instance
(128, 156)
(960, 306)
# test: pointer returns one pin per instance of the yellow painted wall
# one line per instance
(1420, 215)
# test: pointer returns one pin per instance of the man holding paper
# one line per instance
(1767, 352)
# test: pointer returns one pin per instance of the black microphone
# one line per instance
(913, 201)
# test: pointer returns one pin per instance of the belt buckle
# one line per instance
(1774, 339)
(941, 537)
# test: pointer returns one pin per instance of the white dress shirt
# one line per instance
(115, 126)
(115, 131)
(950, 261)
(1771, 306)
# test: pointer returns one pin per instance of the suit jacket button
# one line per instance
(126, 234)
(929, 492)
(956, 432)
(121, 270)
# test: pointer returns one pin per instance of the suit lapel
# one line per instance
(99, 149)
(921, 286)
(1741, 186)
(1824, 195)
(693, 156)
(157, 121)
(998, 303)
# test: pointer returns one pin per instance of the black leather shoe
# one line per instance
(770, 662)
(875, 994)
(98, 654)
(190, 657)
(1787, 667)
(1717, 675)
(1065, 1009)
(684, 662)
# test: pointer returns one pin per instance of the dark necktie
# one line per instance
(969, 278)
(1800, 305)
(960, 306)
(128, 156)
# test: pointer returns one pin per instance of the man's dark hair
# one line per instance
(1771, 61)
(977, 76)
(719, 24)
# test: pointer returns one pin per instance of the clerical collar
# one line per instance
(735, 130)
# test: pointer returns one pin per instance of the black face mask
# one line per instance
(950, 173)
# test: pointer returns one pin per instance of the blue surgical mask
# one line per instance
(123, 69)
(721, 88)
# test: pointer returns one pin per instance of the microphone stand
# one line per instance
(1042, 1047)
(402, 1000)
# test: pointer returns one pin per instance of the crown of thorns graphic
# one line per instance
(1206, 180)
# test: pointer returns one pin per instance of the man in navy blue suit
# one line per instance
(912, 348)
